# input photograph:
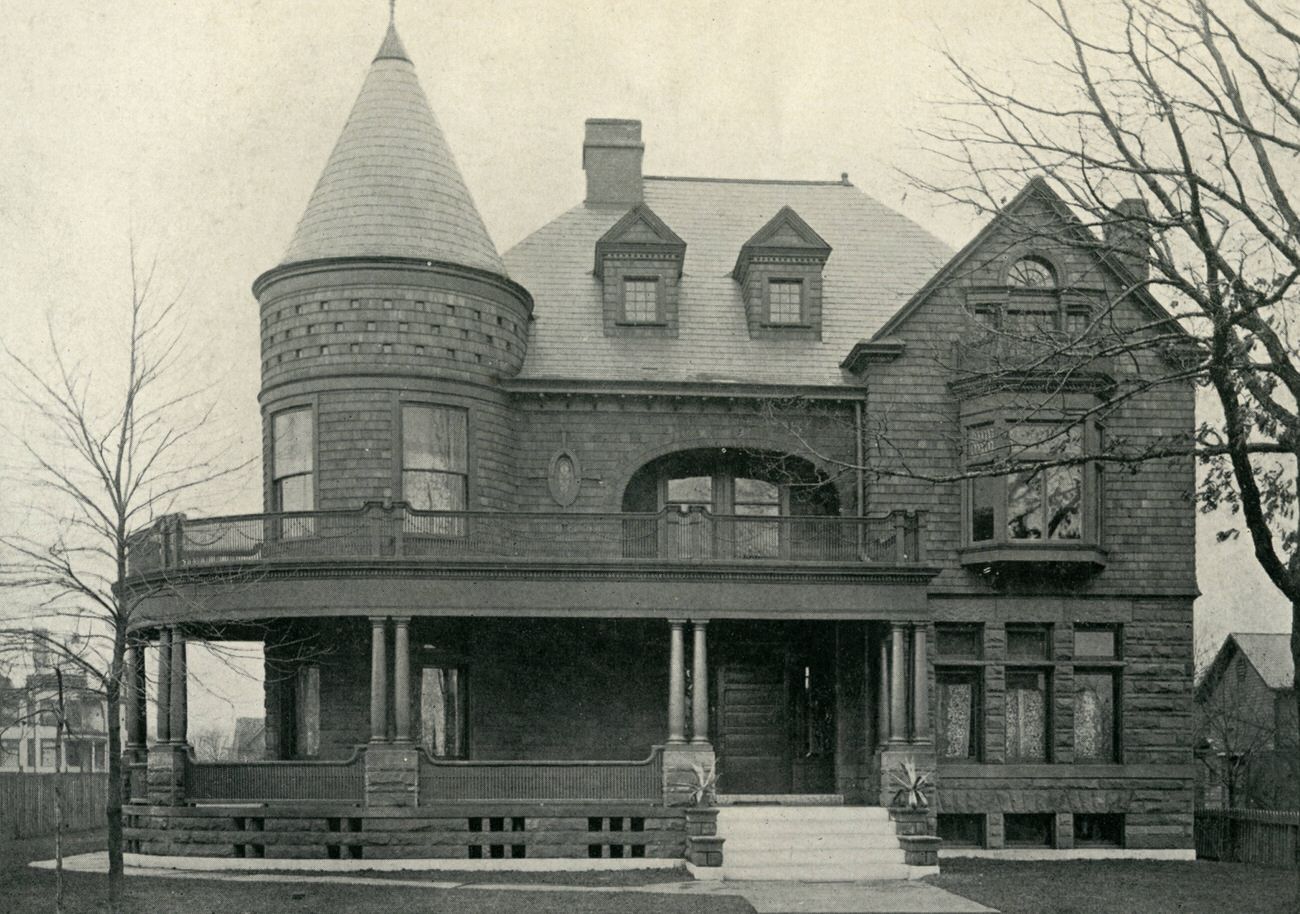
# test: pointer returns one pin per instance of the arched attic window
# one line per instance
(1032, 273)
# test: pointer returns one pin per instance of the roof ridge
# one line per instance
(698, 179)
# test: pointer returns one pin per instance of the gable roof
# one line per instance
(879, 259)
(1268, 652)
(391, 187)
(640, 229)
(1037, 188)
(784, 233)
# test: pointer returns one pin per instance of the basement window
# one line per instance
(961, 829)
(1098, 829)
(1033, 829)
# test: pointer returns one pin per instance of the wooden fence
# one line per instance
(27, 807)
(1258, 836)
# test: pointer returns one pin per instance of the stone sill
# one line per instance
(1060, 771)
(1077, 853)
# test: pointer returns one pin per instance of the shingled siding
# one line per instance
(537, 689)
(614, 436)
(1147, 513)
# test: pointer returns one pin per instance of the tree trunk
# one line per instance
(60, 717)
(1295, 691)
(113, 806)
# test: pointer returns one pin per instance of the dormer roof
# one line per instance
(640, 231)
(391, 187)
(784, 235)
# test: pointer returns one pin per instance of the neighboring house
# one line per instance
(28, 737)
(549, 534)
(1247, 739)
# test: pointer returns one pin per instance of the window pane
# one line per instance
(785, 301)
(984, 493)
(308, 708)
(691, 490)
(1025, 506)
(295, 493)
(292, 434)
(756, 492)
(1026, 716)
(641, 300)
(442, 704)
(1094, 642)
(1064, 496)
(434, 439)
(957, 715)
(429, 491)
(962, 642)
(1027, 643)
(1094, 717)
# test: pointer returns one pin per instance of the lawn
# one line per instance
(27, 891)
(1119, 886)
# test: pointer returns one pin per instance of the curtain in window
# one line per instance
(442, 711)
(956, 719)
(1093, 717)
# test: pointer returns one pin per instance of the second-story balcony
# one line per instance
(398, 533)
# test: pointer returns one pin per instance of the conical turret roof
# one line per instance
(391, 187)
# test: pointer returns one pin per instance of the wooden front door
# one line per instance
(775, 719)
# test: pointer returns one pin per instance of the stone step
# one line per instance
(805, 873)
(729, 828)
(747, 841)
(771, 815)
(839, 856)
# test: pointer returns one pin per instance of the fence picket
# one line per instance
(27, 803)
(1264, 837)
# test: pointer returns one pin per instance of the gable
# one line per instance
(639, 233)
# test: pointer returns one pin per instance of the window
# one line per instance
(694, 536)
(1037, 504)
(958, 736)
(9, 753)
(49, 758)
(1100, 641)
(435, 460)
(1026, 642)
(1028, 727)
(293, 461)
(1098, 829)
(958, 642)
(757, 539)
(1031, 273)
(785, 301)
(641, 300)
(1095, 719)
(307, 710)
(443, 704)
(961, 829)
(1032, 829)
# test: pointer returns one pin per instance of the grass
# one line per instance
(27, 891)
(1119, 886)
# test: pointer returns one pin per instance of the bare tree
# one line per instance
(109, 451)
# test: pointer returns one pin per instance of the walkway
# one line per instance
(897, 896)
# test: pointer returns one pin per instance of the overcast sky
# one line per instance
(200, 127)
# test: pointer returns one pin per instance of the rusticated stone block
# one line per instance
(683, 768)
(920, 850)
(166, 774)
(704, 850)
(701, 822)
(392, 776)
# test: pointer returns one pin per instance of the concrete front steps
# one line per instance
(822, 843)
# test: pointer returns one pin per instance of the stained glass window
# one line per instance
(1094, 716)
(958, 714)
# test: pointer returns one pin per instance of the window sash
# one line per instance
(435, 438)
(958, 718)
(1028, 715)
(1096, 704)
(292, 443)
(785, 301)
(641, 300)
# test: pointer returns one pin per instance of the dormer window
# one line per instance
(641, 300)
(780, 274)
(639, 263)
(785, 301)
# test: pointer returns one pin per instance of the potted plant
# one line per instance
(912, 785)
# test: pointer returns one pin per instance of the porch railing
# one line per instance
(399, 532)
(293, 781)
(454, 781)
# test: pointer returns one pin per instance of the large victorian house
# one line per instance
(677, 504)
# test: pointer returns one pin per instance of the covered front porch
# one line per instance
(579, 737)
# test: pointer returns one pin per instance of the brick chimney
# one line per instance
(611, 156)
(1128, 234)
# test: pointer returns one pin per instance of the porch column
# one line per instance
(677, 683)
(180, 687)
(920, 686)
(164, 727)
(700, 685)
(402, 678)
(898, 684)
(136, 725)
(378, 681)
(882, 700)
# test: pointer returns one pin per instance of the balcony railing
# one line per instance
(444, 780)
(397, 532)
(997, 355)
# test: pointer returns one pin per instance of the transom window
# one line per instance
(435, 458)
(785, 301)
(641, 300)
